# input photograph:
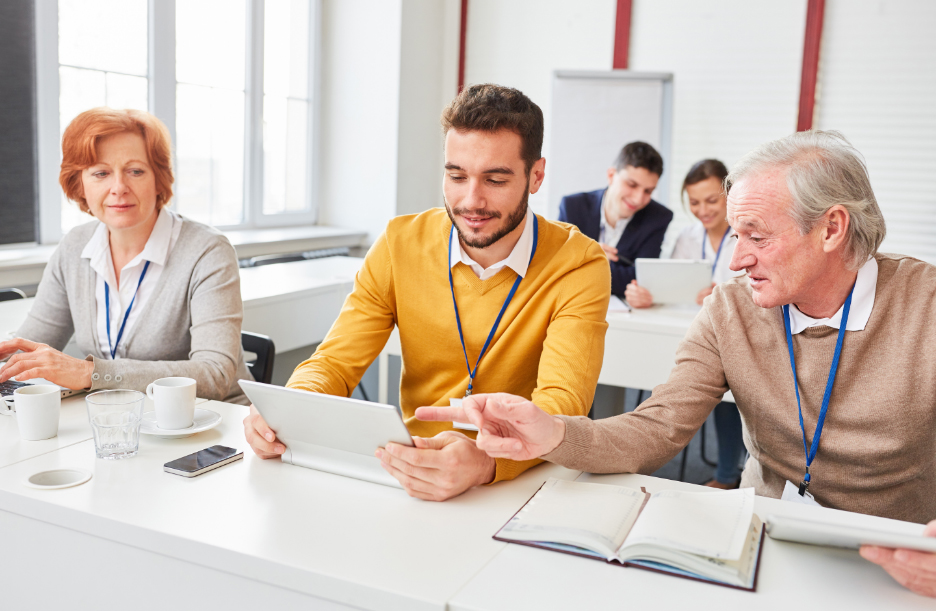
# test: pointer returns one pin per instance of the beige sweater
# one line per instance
(877, 453)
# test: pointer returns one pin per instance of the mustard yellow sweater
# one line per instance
(548, 347)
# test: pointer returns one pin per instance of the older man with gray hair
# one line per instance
(825, 338)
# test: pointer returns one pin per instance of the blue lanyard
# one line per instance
(113, 348)
(510, 296)
(811, 451)
(720, 244)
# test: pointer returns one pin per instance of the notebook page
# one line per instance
(711, 524)
(577, 513)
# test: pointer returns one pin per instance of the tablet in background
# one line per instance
(674, 281)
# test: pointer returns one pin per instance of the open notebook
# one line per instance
(709, 536)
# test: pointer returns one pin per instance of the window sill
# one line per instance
(21, 267)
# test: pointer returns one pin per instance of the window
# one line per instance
(90, 72)
(241, 112)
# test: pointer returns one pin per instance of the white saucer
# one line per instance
(205, 420)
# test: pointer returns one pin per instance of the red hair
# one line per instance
(79, 148)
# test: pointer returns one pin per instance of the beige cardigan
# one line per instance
(877, 453)
(189, 327)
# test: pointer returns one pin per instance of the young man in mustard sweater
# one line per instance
(487, 296)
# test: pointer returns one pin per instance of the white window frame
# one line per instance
(161, 85)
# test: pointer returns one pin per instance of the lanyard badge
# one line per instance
(113, 348)
(812, 449)
(510, 296)
(718, 252)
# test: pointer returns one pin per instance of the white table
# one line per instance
(294, 303)
(640, 348)
(252, 534)
(791, 575)
(265, 534)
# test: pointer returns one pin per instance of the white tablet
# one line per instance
(329, 433)
(830, 534)
(674, 281)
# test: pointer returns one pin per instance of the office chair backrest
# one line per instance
(11, 294)
(262, 368)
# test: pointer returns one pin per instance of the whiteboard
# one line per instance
(594, 114)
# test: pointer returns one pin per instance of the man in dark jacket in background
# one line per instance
(622, 217)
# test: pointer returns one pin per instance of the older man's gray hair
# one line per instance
(823, 169)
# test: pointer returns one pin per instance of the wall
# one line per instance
(736, 66)
(428, 80)
(360, 96)
(736, 81)
(877, 85)
(388, 69)
(519, 43)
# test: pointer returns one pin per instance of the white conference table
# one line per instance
(640, 348)
(253, 534)
(791, 575)
(294, 303)
(269, 535)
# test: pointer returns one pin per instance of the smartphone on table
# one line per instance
(202, 461)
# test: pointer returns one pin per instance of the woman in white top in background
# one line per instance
(709, 240)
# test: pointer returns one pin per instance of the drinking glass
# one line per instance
(115, 417)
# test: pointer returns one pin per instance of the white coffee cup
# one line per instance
(38, 407)
(175, 402)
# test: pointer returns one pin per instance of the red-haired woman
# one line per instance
(146, 293)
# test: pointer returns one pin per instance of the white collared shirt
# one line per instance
(607, 234)
(162, 239)
(689, 246)
(861, 305)
(518, 259)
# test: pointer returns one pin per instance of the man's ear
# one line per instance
(611, 173)
(537, 174)
(835, 228)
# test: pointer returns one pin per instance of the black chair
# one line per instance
(11, 294)
(262, 368)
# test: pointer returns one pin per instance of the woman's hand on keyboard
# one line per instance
(41, 361)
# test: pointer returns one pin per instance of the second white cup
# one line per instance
(175, 402)
(38, 407)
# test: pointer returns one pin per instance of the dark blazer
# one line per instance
(642, 238)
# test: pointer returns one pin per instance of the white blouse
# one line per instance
(689, 245)
(160, 243)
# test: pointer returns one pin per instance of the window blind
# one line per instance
(877, 85)
(17, 124)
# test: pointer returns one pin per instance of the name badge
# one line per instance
(465, 426)
(791, 493)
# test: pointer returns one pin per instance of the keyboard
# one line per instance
(7, 388)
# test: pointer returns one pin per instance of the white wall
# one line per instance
(736, 66)
(389, 67)
(877, 85)
(518, 43)
(360, 96)
(428, 81)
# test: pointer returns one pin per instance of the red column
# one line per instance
(463, 34)
(807, 100)
(622, 29)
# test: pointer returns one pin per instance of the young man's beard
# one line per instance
(513, 221)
